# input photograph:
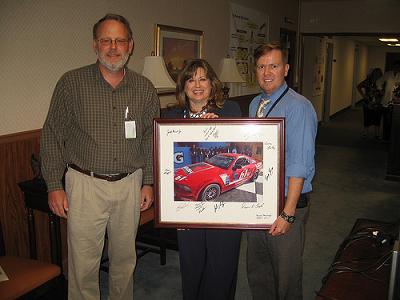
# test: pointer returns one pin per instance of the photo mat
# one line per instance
(218, 173)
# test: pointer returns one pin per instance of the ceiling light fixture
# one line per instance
(388, 40)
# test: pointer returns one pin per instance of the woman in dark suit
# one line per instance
(208, 257)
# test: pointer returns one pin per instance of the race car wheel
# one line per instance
(211, 192)
(255, 176)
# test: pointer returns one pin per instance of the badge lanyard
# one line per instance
(277, 100)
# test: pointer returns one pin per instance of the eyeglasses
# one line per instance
(261, 68)
(108, 42)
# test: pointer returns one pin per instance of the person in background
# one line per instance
(371, 101)
(388, 83)
(99, 129)
(208, 257)
(274, 256)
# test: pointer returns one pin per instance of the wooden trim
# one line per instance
(15, 137)
(15, 165)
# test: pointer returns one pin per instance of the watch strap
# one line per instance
(287, 218)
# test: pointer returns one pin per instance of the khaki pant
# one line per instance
(94, 206)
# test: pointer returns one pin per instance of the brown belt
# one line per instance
(113, 177)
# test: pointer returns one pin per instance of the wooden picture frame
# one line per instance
(218, 173)
(176, 45)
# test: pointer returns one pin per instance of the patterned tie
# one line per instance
(261, 107)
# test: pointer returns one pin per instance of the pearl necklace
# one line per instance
(197, 115)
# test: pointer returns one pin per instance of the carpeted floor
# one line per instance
(349, 184)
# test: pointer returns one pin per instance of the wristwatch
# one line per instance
(289, 219)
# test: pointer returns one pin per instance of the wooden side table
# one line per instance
(35, 197)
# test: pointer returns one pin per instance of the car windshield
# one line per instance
(220, 161)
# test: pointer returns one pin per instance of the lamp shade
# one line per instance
(229, 71)
(154, 69)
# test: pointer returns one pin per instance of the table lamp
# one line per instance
(229, 73)
(155, 70)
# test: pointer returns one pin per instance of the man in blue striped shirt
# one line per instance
(274, 257)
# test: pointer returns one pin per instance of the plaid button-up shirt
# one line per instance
(85, 125)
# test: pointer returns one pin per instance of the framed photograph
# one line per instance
(218, 173)
(176, 45)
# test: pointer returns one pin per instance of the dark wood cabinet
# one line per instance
(361, 267)
(393, 165)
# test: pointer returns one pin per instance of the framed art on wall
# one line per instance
(218, 173)
(176, 45)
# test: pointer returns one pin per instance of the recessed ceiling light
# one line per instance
(388, 40)
(394, 45)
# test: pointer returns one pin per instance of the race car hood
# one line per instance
(193, 169)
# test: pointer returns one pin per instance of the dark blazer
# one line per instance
(198, 247)
(230, 109)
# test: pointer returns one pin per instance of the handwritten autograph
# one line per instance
(210, 132)
(269, 173)
(200, 207)
(252, 205)
(173, 131)
(181, 207)
(167, 171)
(218, 206)
(269, 146)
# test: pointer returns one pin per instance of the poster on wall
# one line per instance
(249, 29)
(319, 69)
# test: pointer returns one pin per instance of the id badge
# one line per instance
(130, 129)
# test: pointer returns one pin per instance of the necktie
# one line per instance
(261, 107)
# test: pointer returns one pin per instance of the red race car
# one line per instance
(205, 181)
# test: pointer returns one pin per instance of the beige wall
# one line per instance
(346, 74)
(364, 63)
(42, 39)
(376, 56)
(314, 49)
(342, 72)
(361, 70)
(350, 16)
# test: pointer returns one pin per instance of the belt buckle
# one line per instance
(115, 177)
(112, 177)
(107, 177)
